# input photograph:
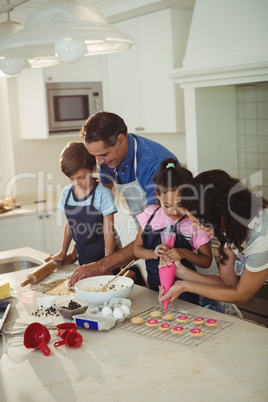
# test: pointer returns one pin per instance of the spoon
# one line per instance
(116, 276)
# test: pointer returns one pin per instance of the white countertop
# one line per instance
(119, 365)
(30, 209)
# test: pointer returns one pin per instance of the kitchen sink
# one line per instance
(18, 263)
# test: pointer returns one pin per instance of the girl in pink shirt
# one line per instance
(156, 218)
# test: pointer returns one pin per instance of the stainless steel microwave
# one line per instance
(70, 104)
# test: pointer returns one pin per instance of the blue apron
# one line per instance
(86, 224)
(151, 239)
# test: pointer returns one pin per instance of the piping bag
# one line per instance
(167, 273)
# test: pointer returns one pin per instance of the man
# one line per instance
(131, 162)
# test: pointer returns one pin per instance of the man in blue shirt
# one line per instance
(131, 162)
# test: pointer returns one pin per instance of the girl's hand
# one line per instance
(174, 292)
(175, 254)
(160, 250)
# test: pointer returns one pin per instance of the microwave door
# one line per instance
(68, 108)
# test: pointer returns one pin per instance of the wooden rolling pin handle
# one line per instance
(25, 283)
(40, 273)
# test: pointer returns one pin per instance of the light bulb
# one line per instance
(11, 66)
(70, 51)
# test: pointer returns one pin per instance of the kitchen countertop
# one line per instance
(118, 365)
(30, 208)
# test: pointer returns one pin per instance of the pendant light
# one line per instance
(65, 30)
(10, 65)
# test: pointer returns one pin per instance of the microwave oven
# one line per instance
(70, 104)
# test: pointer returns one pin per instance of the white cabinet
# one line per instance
(42, 232)
(32, 98)
(140, 92)
(32, 105)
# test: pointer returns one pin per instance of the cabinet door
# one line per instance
(139, 90)
(32, 106)
(89, 68)
(155, 47)
(21, 231)
(53, 228)
(123, 80)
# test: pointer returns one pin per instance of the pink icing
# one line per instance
(196, 331)
(199, 319)
(165, 325)
(178, 329)
(152, 322)
(183, 317)
(211, 321)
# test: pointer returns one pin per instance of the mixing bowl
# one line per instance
(87, 289)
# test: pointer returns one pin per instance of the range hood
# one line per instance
(227, 46)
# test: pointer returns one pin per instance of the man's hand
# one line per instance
(85, 271)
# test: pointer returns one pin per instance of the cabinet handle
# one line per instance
(47, 215)
(139, 129)
(40, 216)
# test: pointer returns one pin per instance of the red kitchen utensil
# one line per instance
(65, 328)
(37, 336)
(73, 340)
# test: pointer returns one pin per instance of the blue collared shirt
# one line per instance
(150, 155)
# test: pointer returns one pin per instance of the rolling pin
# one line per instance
(40, 273)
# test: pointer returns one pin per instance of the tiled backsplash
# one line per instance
(252, 135)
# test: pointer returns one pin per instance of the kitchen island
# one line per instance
(122, 365)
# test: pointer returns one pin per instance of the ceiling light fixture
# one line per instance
(10, 63)
(66, 30)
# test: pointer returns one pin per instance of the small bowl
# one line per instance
(96, 297)
(67, 313)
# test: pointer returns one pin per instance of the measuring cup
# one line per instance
(37, 336)
(65, 328)
(73, 340)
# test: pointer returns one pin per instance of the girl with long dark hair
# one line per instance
(224, 206)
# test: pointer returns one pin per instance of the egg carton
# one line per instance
(94, 318)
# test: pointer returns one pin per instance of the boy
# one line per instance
(89, 208)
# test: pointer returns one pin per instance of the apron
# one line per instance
(86, 224)
(133, 192)
(151, 239)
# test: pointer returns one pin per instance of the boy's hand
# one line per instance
(63, 258)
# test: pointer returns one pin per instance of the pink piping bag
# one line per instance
(167, 273)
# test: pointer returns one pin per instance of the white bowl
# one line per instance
(96, 297)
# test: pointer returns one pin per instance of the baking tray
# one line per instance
(183, 339)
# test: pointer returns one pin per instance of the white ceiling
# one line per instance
(113, 10)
